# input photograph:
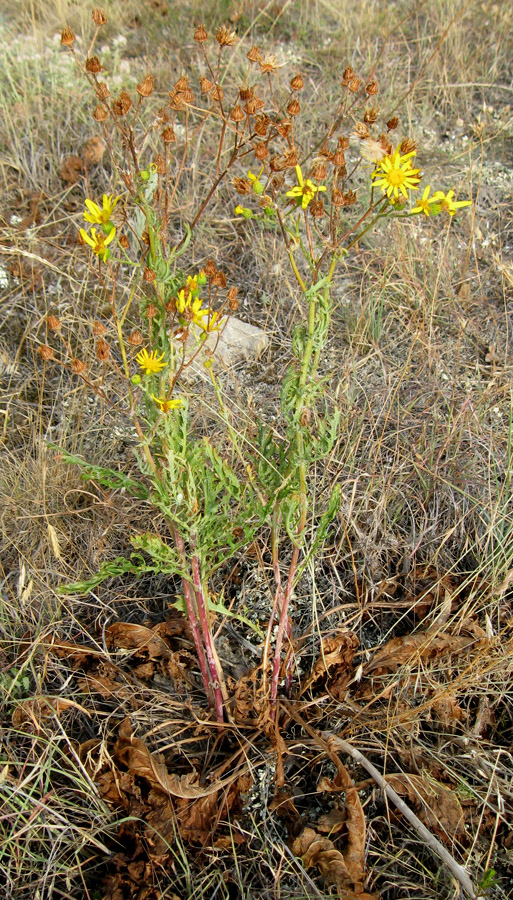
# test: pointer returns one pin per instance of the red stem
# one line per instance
(193, 620)
(207, 639)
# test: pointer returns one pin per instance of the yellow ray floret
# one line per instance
(446, 202)
(304, 190)
(150, 362)
(99, 215)
(167, 405)
(98, 242)
(425, 203)
(395, 175)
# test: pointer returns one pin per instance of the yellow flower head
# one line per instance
(100, 215)
(99, 242)
(425, 203)
(395, 175)
(210, 321)
(167, 405)
(304, 190)
(256, 184)
(446, 202)
(150, 362)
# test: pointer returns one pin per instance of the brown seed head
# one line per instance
(297, 83)
(45, 352)
(254, 54)
(242, 186)
(354, 85)
(148, 274)
(77, 366)
(102, 351)
(261, 125)
(291, 158)
(121, 106)
(246, 93)
(293, 108)
(392, 123)
(370, 115)
(168, 135)
(151, 311)
(217, 93)
(236, 114)
(176, 100)
(200, 35)
(283, 128)
(350, 198)
(372, 88)
(100, 113)
(339, 158)
(160, 164)
(123, 240)
(182, 84)
(277, 164)
(316, 209)
(135, 339)
(206, 85)
(219, 279)
(337, 198)
(326, 153)
(318, 171)
(102, 90)
(269, 63)
(99, 329)
(261, 151)
(225, 37)
(171, 306)
(347, 75)
(93, 65)
(67, 37)
(146, 87)
(386, 144)
(99, 17)
(361, 131)
(407, 146)
(210, 268)
(53, 323)
(343, 143)
(187, 96)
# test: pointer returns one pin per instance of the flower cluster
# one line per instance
(190, 309)
(100, 215)
(396, 176)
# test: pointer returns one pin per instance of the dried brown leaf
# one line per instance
(130, 636)
(424, 645)
(72, 169)
(39, 708)
(354, 853)
(337, 652)
(437, 805)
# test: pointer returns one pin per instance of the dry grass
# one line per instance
(422, 363)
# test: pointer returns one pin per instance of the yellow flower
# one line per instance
(304, 190)
(212, 323)
(167, 405)
(395, 174)
(446, 202)
(98, 242)
(100, 215)
(424, 205)
(191, 307)
(150, 362)
(243, 211)
(256, 184)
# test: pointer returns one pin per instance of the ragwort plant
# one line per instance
(321, 201)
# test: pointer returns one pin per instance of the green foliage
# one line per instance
(108, 478)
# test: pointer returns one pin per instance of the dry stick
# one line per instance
(334, 742)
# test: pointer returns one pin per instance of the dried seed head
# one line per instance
(293, 108)
(219, 279)
(339, 158)
(242, 186)
(246, 93)
(233, 302)
(102, 90)
(354, 85)
(67, 37)
(392, 123)
(372, 88)
(217, 93)
(206, 85)
(343, 143)
(93, 65)
(407, 146)
(277, 164)
(337, 198)
(261, 151)
(277, 182)
(121, 106)
(283, 128)
(53, 323)
(99, 17)
(151, 311)
(102, 351)
(168, 135)
(261, 125)
(182, 84)
(210, 268)
(123, 240)
(316, 209)
(361, 131)
(171, 306)
(45, 352)
(326, 153)
(135, 339)
(370, 115)
(269, 63)
(297, 83)
(99, 329)
(291, 158)
(225, 37)
(146, 87)
(347, 75)
(386, 144)
(350, 198)
(160, 164)
(77, 366)
(254, 54)
(251, 106)
(318, 171)
(200, 35)
(236, 114)
(148, 274)
(187, 96)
